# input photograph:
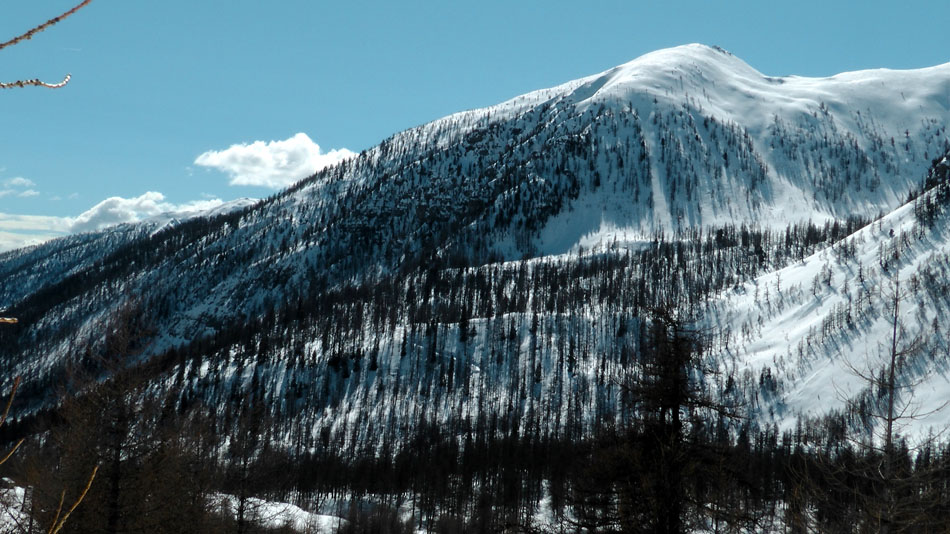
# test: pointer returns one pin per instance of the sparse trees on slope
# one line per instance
(895, 486)
(898, 500)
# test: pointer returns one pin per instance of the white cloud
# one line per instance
(15, 240)
(19, 181)
(118, 210)
(18, 187)
(20, 223)
(24, 230)
(274, 164)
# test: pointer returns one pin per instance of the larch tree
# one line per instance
(900, 498)
(897, 486)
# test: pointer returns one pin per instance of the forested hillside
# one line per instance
(500, 293)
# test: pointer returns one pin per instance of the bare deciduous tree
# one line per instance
(897, 486)
(900, 502)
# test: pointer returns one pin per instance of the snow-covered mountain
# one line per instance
(491, 270)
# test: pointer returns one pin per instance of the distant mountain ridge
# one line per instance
(400, 274)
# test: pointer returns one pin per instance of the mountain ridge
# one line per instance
(391, 276)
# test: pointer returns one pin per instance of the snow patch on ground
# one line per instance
(272, 514)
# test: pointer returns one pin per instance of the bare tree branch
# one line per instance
(29, 35)
(58, 521)
(37, 29)
(35, 82)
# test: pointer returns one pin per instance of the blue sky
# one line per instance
(160, 88)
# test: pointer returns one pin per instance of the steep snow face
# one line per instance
(824, 147)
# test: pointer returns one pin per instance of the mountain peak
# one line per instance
(687, 67)
(684, 68)
(687, 55)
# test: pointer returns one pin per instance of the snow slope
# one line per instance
(803, 139)
(823, 326)
(680, 140)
